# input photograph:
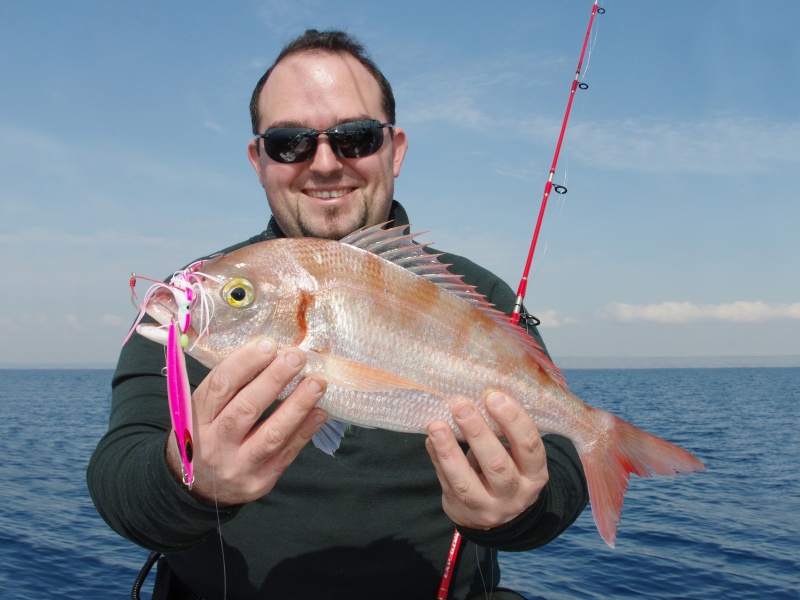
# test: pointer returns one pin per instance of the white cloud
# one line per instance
(112, 321)
(62, 238)
(479, 95)
(282, 16)
(38, 325)
(719, 145)
(213, 125)
(685, 312)
(40, 169)
(552, 318)
(471, 97)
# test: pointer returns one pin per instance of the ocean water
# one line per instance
(732, 532)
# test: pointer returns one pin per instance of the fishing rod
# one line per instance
(455, 544)
(549, 186)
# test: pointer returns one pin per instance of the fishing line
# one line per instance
(523, 284)
(592, 44)
(486, 591)
(561, 202)
(216, 511)
(561, 190)
(549, 186)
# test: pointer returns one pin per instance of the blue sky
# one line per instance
(123, 130)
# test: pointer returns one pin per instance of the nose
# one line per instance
(325, 161)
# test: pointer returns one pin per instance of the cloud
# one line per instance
(686, 312)
(716, 144)
(112, 321)
(214, 126)
(49, 186)
(479, 94)
(498, 98)
(284, 16)
(43, 325)
(59, 237)
(552, 319)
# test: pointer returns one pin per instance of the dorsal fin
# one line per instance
(400, 248)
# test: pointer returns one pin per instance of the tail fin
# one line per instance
(622, 450)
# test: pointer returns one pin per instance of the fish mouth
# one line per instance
(154, 333)
(163, 308)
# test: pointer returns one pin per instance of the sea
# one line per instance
(731, 532)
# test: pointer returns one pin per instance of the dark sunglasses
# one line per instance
(348, 140)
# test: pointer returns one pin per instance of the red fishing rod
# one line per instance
(455, 544)
(549, 187)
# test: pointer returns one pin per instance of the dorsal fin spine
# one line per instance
(401, 249)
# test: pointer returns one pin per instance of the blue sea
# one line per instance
(732, 532)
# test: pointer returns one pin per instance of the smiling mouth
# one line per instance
(328, 194)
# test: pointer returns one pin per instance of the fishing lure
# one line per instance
(187, 291)
(180, 401)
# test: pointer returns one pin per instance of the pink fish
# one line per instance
(397, 337)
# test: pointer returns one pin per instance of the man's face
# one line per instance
(327, 196)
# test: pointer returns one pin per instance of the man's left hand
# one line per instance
(493, 482)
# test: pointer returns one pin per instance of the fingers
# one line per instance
(268, 449)
(449, 462)
(241, 413)
(245, 384)
(238, 458)
(289, 428)
(494, 483)
(230, 376)
(525, 443)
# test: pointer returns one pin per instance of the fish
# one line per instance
(397, 336)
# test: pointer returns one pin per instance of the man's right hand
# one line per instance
(235, 462)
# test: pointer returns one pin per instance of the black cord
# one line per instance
(139, 581)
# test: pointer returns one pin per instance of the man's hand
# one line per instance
(492, 484)
(235, 461)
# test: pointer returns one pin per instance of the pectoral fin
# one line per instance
(329, 436)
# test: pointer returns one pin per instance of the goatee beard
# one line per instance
(332, 229)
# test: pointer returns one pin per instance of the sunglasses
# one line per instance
(348, 140)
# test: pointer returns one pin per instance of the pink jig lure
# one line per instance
(186, 290)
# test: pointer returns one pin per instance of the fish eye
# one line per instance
(238, 293)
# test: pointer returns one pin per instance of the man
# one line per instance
(269, 515)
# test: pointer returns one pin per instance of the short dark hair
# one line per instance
(336, 42)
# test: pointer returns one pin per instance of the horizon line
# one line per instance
(564, 362)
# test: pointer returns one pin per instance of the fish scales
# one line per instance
(397, 340)
(378, 309)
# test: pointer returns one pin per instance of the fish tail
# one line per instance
(621, 450)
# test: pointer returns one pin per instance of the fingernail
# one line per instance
(293, 359)
(314, 386)
(437, 434)
(496, 399)
(265, 346)
(319, 417)
(465, 412)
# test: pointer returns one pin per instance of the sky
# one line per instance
(124, 126)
